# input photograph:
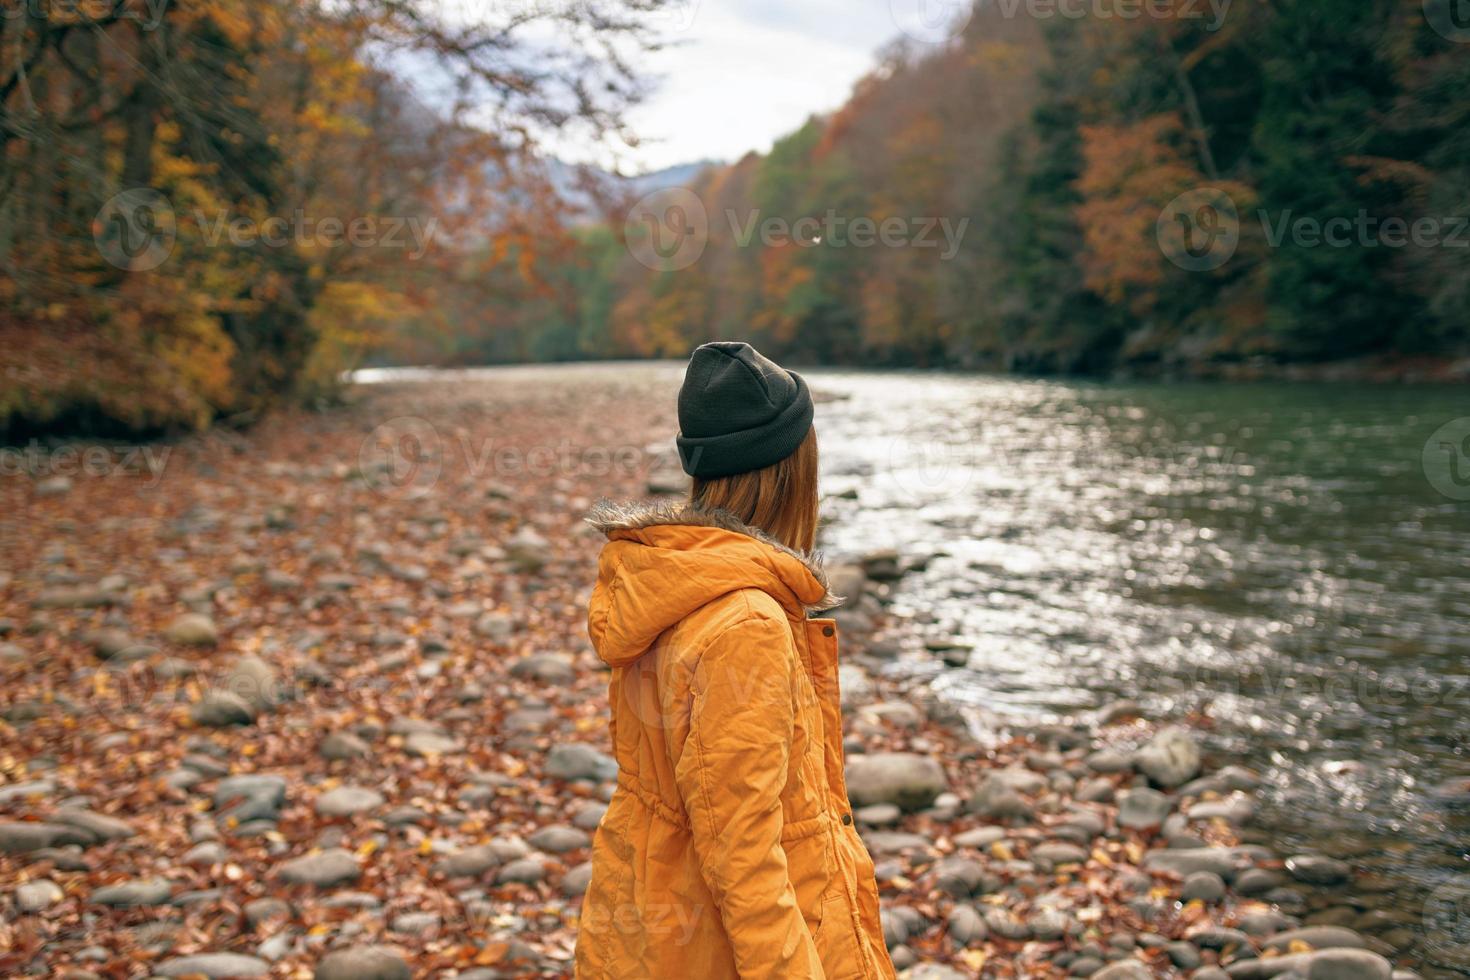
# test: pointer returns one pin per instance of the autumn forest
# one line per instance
(206, 207)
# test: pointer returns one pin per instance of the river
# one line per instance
(1276, 557)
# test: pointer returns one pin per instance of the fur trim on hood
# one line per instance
(608, 516)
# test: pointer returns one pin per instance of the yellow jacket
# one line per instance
(728, 849)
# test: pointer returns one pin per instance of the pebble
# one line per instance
(1316, 870)
(1124, 970)
(1317, 937)
(344, 801)
(1171, 758)
(146, 891)
(222, 709)
(545, 668)
(38, 895)
(558, 839)
(576, 880)
(430, 745)
(192, 629)
(966, 925)
(995, 800)
(363, 963)
(331, 867)
(341, 746)
(1203, 886)
(904, 779)
(470, 862)
(524, 871)
(215, 966)
(1142, 809)
(578, 761)
(1330, 964)
(23, 838)
(1223, 861)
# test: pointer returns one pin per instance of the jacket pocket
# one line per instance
(809, 867)
(836, 939)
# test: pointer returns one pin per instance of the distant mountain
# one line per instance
(569, 180)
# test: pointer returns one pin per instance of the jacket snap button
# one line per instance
(828, 631)
(846, 819)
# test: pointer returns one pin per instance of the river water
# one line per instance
(1285, 559)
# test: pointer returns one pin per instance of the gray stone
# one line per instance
(1258, 881)
(1223, 861)
(578, 761)
(1317, 870)
(250, 797)
(38, 895)
(1053, 855)
(417, 923)
(333, 866)
(1317, 937)
(216, 966)
(524, 871)
(100, 826)
(429, 745)
(905, 779)
(1124, 970)
(341, 746)
(205, 855)
(546, 668)
(589, 815)
(1184, 955)
(966, 925)
(995, 800)
(1171, 758)
(1108, 761)
(980, 838)
(262, 910)
(1331, 964)
(256, 682)
(1142, 809)
(1203, 886)
(878, 815)
(344, 801)
(575, 881)
(959, 876)
(470, 862)
(34, 789)
(557, 839)
(363, 963)
(23, 838)
(221, 709)
(192, 629)
(1005, 925)
(146, 891)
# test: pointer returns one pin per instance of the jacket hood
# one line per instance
(664, 561)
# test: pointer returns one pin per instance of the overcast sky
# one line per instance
(740, 73)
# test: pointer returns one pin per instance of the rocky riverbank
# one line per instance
(317, 701)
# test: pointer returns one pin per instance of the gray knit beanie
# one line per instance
(739, 411)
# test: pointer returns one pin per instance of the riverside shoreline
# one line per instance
(316, 700)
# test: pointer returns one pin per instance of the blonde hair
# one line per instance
(780, 499)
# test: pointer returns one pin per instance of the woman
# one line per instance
(728, 849)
